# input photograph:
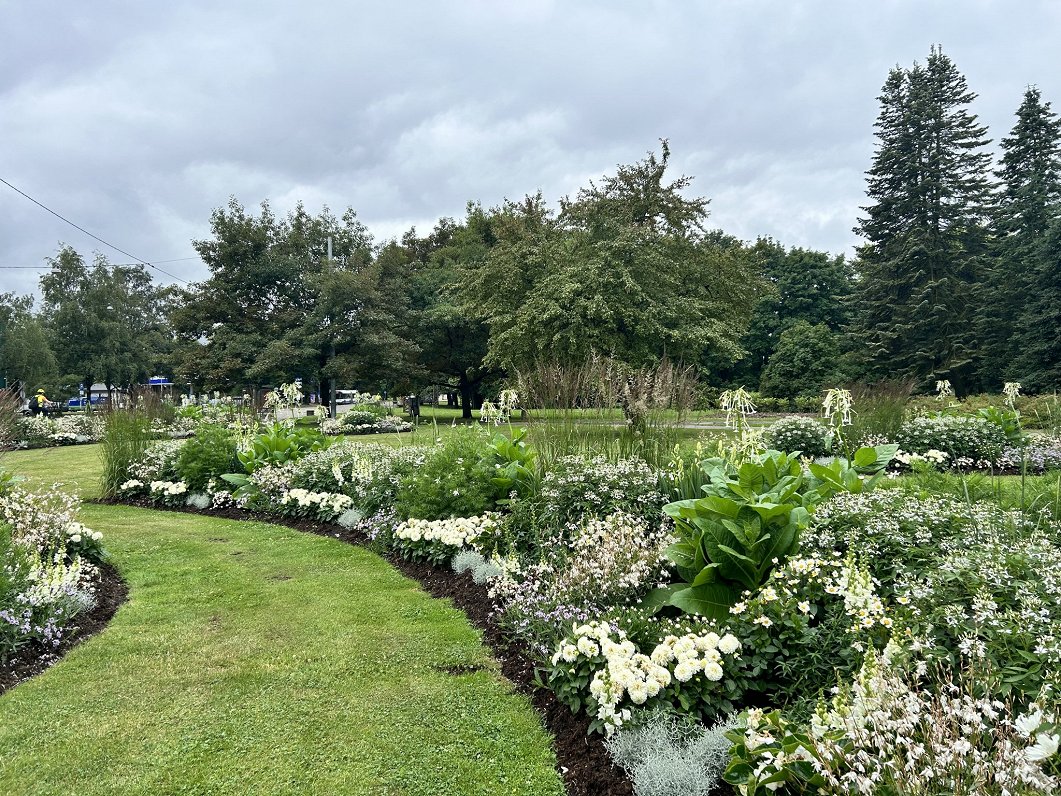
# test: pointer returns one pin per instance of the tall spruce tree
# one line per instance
(1023, 269)
(1039, 361)
(925, 227)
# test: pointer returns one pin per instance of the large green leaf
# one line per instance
(712, 600)
(865, 457)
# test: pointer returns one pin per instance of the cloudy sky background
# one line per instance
(136, 119)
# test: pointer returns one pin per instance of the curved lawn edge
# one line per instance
(253, 659)
(582, 760)
(111, 591)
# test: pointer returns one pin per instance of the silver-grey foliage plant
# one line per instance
(665, 756)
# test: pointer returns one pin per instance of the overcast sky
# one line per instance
(135, 119)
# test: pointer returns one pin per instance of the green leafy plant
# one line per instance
(1008, 420)
(280, 443)
(859, 474)
(512, 461)
(729, 540)
(750, 521)
(452, 482)
(209, 454)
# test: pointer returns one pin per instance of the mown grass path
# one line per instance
(252, 659)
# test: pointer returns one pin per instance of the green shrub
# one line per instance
(576, 487)
(209, 454)
(804, 434)
(966, 440)
(452, 482)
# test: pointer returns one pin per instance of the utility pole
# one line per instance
(332, 403)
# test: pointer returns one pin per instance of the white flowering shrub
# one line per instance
(804, 434)
(46, 522)
(158, 463)
(41, 432)
(47, 567)
(813, 621)
(898, 534)
(367, 472)
(888, 733)
(437, 540)
(959, 436)
(578, 487)
(598, 667)
(610, 561)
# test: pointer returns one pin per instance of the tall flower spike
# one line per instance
(1012, 392)
(736, 404)
(837, 406)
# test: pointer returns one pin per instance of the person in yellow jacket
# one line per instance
(39, 404)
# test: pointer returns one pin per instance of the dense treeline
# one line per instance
(959, 278)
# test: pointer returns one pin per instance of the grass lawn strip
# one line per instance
(255, 659)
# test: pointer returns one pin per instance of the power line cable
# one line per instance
(106, 265)
(95, 237)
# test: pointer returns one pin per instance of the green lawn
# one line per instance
(252, 659)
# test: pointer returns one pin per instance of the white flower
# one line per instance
(1028, 723)
(1045, 747)
(728, 644)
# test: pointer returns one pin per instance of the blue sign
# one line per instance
(159, 381)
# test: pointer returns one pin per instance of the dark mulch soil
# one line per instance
(584, 763)
(34, 658)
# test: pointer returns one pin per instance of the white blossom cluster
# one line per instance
(329, 504)
(612, 558)
(76, 532)
(167, 488)
(932, 456)
(157, 462)
(51, 585)
(889, 527)
(624, 672)
(43, 521)
(861, 602)
(65, 430)
(274, 480)
(888, 734)
(54, 581)
(454, 532)
(597, 486)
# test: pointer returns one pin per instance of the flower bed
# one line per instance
(727, 592)
(51, 574)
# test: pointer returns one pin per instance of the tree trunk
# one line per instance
(467, 391)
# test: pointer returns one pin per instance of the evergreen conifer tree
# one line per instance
(925, 227)
(1030, 201)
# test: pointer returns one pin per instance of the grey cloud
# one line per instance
(136, 119)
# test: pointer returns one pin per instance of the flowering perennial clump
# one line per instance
(326, 505)
(621, 673)
(47, 567)
(430, 539)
